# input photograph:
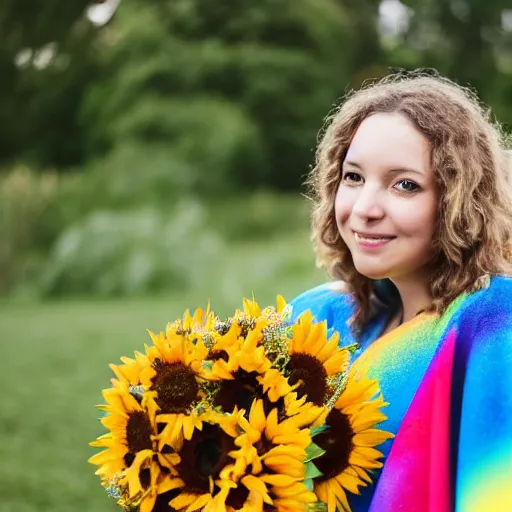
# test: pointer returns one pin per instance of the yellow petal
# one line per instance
(359, 460)
(255, 484)
(257, 415)
(148, 503)
(169, 484)
(294, 489)
(108, 455)
(189, 423)
(365, 421)
(331, 498)
(347, 481)
(281, 304)
(278, 480)
(336, 363)
(200, 502)
(295, 452)
(340, 494)
(111, 468)
(371, 437)
(183, 500)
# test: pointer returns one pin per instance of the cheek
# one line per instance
(416, 219)
(342, 208)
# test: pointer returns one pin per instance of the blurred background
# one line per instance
(152, 155)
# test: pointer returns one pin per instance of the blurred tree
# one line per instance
(466, 40)
(199, 97)
(232, 93)
(237, 88)
(45, 65)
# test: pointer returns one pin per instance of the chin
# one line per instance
(372, 273)
(376, 277)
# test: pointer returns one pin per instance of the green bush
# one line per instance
(214, 142)
(115, 230)
(260, 215)
(132, 252)
(26, 199)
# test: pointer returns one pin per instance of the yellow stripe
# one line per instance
(371, 354)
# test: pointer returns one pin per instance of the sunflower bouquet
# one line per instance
(254, 413)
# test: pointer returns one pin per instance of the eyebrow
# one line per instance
(397, 170)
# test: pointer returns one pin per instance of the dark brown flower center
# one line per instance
(308, 370)
(241, 391)
(337, 442)
(203, 456)
(237, 497)
(176, 387)
(162, 501)
(138, 433)
(145, 478)
(215, 355)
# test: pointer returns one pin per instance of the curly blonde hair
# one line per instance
(468, 155)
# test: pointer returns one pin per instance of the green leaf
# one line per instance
(310, 486)
(313, 451)
(312, 471)
(318, 430)
(319, 506)
(352, 348)
(207, 365)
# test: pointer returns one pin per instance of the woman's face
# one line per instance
(386, 205)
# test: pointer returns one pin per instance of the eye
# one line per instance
(351, 177)
(407, 186)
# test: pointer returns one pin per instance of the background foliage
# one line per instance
(113, 136)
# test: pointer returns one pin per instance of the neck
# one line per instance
(415, 297)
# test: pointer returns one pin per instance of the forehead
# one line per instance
(389, 140)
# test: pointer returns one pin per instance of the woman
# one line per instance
(413, 217)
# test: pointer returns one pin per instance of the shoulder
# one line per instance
(329, 301)
(484, 323)
(327, 289)
(493, 301)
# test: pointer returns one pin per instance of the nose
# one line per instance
(368, 205)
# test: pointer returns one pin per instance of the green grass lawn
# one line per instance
(56, 357)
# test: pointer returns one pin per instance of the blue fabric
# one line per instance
(481, 391)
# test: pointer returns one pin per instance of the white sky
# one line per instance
(393, 17)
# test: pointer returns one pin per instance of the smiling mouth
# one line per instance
(372, 240)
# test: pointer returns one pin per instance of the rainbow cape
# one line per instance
(448, 381)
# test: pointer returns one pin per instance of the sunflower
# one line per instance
(174, 345)
(171, 368)
(177, 377)
(202, 458)
(269, 462)
(178, 346)
(232, 497)
(250, 351)
(133, 371)
(131, 430)
(200, 321)
(151, 489)
(317, 365)
(228, 340)
(350, 441)
(275, 385)
(239, 415)
(241, 368)
(241, 350)
(131, 456)
(253, 310)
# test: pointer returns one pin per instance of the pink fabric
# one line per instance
(416, 476)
